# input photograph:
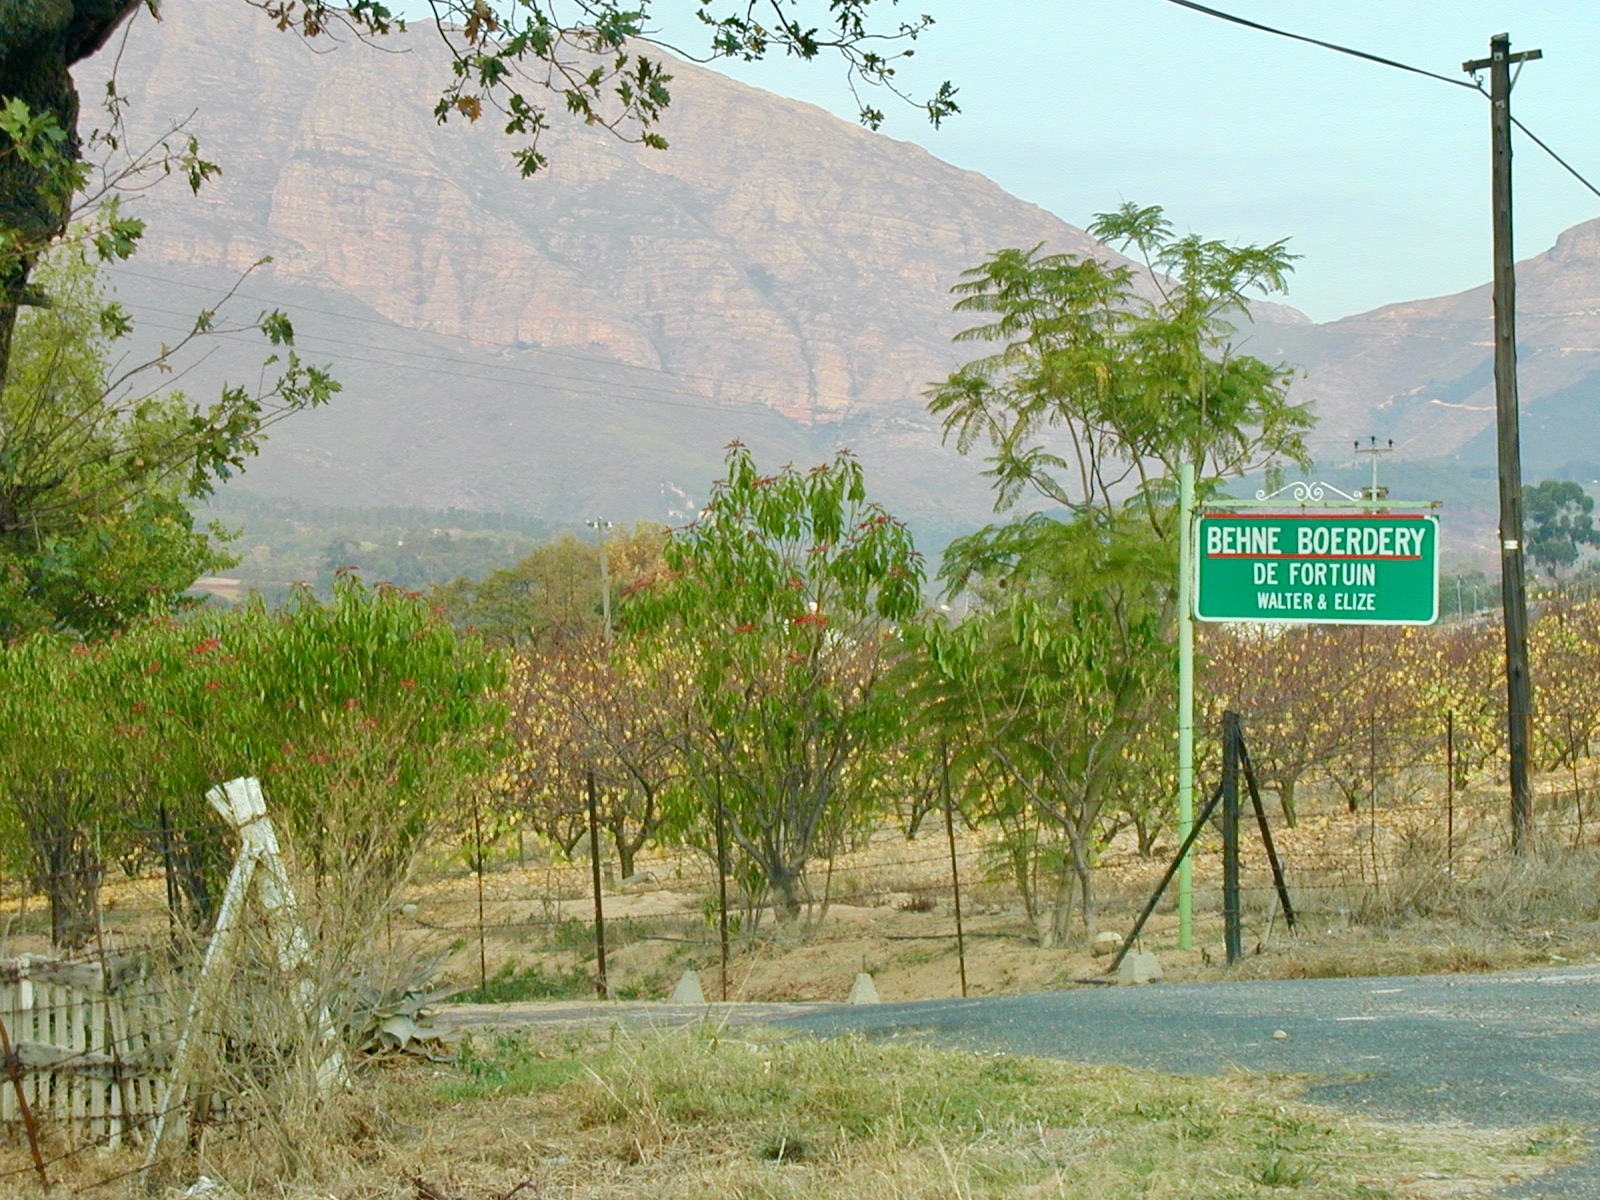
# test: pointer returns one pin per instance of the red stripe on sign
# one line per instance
(1329, 557)
(1252, 515)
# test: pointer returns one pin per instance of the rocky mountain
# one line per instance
(1422, 372)
(587, 341)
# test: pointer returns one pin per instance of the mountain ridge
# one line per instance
(589, 339)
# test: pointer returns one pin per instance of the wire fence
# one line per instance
(101, 931)
(1379, 819)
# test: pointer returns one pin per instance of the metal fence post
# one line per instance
(1233, 938)
(600, 986)
(955, 873)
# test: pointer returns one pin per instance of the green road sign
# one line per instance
(1334, 567)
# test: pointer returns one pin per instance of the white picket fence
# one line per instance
(95, 1046)
(90, 1041)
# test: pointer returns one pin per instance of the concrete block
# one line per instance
(1141, 966)
(688, 990)
(863, 991)
(1106, 943)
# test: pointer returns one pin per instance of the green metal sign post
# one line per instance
(1318, 566)
(1303, 558)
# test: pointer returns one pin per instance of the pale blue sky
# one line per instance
(1380, 178)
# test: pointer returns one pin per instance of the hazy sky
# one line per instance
(1379, 177)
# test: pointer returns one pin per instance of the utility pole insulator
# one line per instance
(1374, 492)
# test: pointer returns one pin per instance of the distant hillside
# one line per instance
(586, 342)
(1422, 372)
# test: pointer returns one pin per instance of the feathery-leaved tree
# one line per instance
(1106, 381)
(1103, 383)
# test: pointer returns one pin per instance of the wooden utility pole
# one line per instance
(1519, 688)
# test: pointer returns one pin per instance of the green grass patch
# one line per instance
(513, 982)
(507, 1065)
(702, 1113)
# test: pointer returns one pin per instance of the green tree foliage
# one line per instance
(777, 608)
(1465, 593)
(96, 472)
(1044, 690)
(1102, 384)
(1559, 518)
(57, 747)
(552, 597)
(361, 716)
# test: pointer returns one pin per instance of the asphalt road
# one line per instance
(1486, 1050)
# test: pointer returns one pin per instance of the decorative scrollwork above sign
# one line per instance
(1303, 492)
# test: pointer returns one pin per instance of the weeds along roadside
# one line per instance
(708, 1112)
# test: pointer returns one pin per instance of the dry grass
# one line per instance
(704, 1115)
(1420, 910)
(1425, 918)
(1420, 906)
(714, 1117)
(1503, 913)
(701, 1114)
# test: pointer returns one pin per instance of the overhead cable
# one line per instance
(1381, 61)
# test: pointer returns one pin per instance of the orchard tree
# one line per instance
(580, 710)
(58, 751)
(778, 608)
(1047, 687)
(1297, 687)
(1564, 643)
(362, 717)
(513, 62)
(1462, 674)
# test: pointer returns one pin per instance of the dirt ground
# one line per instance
(1373, 892)
(1391, 889)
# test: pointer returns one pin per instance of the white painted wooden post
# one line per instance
(260, 862)
(241, 802)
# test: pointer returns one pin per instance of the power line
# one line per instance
(1334, 46)
(1570, 169)
(1472, 85)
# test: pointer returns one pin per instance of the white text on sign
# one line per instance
(1330, 541)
